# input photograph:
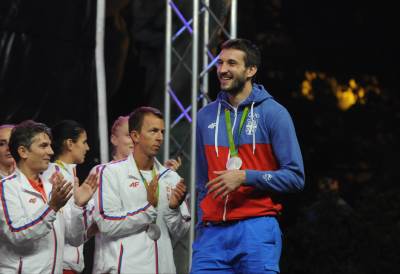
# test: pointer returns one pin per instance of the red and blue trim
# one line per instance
(7, 216)
(115, 218)
(8, 178)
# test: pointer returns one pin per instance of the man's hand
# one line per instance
(226, 182)
(152, 193)
(178, 195)
(84, 192)
(60, 193)
(173, 164)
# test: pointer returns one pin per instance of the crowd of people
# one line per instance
(47, 215)
(134, 206)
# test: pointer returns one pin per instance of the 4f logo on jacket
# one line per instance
(134, 184)
(32, 200)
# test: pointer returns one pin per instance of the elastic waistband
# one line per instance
(226, 223)
(231, 222)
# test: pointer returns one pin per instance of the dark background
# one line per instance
(47, 73)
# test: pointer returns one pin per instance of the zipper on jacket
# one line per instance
(55, 250)
(20, 266)
(226, 203)
(77, 254)
(156, 252)
(121, 253)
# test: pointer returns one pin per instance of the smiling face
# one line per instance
(149, 139)
(6, 160)
(37, 156)
(232, 72)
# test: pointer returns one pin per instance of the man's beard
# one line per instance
(237, 86)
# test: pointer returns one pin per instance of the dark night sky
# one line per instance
(337, 36)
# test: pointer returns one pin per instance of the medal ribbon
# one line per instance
(232, 149)
(61, 164)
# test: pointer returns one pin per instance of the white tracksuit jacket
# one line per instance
(31, 233)
(122, 214)
(73, 256)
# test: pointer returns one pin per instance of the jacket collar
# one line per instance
(133, 171)
(26, 185)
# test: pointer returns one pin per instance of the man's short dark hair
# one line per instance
(23, 134)
(252, 53)
(136, 117)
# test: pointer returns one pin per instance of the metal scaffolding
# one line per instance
(101, 81)
(182, 71)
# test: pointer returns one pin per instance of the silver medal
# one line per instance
(234, 163)
(153, 231)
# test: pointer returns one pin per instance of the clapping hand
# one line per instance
(61, 191)
(178, 195)
(173, 164)
(152, 193)
(84, 192)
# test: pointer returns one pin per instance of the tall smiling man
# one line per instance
(247, 150)
(32, 224)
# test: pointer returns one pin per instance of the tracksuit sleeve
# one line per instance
(178, 221)
(111, 217)
(89, 214)
(15, 224)
(75, 223)
(289, 177)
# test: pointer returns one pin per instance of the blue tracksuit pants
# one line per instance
(247, 246)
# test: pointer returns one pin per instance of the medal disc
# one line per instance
(234, 163)
(153, 231)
